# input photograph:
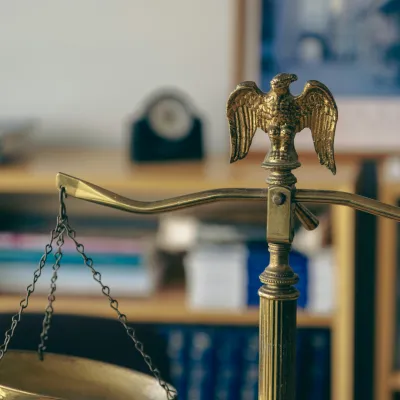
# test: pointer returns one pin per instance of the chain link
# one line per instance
(51, 298)
(57, 235)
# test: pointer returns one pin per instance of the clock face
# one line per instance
(170, 119)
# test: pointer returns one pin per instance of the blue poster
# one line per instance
(352, 46)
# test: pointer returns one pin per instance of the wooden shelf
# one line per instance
(168, 306)
(394, 381)
(112, 169)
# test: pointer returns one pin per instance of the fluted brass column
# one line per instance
(278, 304)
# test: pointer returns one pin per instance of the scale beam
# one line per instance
(352, 200)
(87, 191)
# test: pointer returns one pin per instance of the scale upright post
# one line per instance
(281, 116)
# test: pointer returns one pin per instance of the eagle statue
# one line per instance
(281, 115)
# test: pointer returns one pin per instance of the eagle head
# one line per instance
(283, 80)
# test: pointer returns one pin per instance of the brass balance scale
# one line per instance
(30, 375)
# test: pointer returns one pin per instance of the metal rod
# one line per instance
(306, 217)
(355, 201)
(83, 190)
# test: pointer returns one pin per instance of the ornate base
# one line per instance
(281, 172)
(267, 163)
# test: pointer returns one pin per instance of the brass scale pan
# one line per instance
(23, 376)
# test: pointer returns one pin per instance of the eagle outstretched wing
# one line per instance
(245, 114)
(318, 111)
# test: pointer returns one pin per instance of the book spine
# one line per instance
(201, 364)
(249, 376)
(92, 244)
(177, 353)
(320, 365)
(302, 367)
(299, 263)
(28, 256)
(228, 370)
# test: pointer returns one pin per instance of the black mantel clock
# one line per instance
(167, 130)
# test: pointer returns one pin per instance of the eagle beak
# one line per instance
(293, 78)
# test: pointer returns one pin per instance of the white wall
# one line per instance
(83, 66)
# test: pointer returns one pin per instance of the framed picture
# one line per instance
(352, 46)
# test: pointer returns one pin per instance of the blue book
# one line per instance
(301, 364)
(249, 376)
(320, 365)
(258, 260)
(201, 364)
(228, 365)
(33, 256)
(177, 354)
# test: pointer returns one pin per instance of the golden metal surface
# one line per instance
(277, 349)
(72, 378)
(88, 191)
(352, 200)
(278, 307)
(281, 115)
(8, 393)
(80, 189)
(83, 190)
(280, 212)
(306, 217)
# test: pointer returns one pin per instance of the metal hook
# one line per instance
(62, 197)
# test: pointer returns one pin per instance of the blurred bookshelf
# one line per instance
(28, 189)
(112, 169)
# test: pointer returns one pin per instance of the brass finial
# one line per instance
(281, 115)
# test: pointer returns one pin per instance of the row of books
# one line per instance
(223, 275)
(126, 265)
(226, 275)
(202, 362)
(214, 363)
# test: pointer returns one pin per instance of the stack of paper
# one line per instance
(216, 276)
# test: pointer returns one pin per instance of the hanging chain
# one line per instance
(171, 393)
(49, 309)
(57, 235)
